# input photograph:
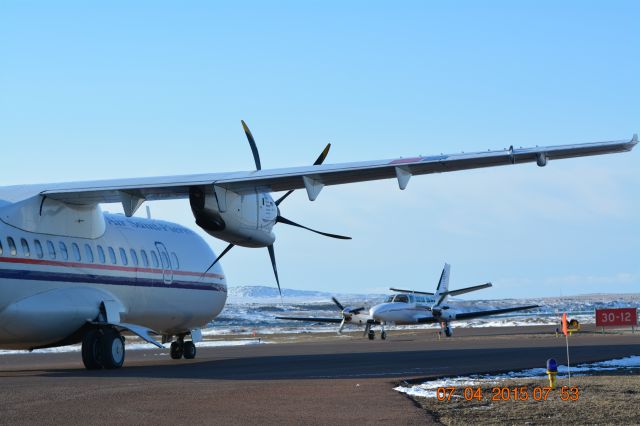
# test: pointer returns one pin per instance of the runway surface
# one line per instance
(328, 380)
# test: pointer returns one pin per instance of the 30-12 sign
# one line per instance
(621, 316)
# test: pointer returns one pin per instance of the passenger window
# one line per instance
(112, 255)
(76, 251)
(25, 247)
(101, 254)
(52, 249)
(39, 251)
(174, 258)
(89, 252)
(12, 246)
(123, 256)
(134, 257)
(63, 251)
(154, 259)
(145, 259)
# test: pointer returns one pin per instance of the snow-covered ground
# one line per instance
(429, 389)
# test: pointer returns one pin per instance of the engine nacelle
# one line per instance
(241, 219)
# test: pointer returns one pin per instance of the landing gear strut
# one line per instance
(102, 348)
(180, 348)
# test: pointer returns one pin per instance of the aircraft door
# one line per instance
(165, 263)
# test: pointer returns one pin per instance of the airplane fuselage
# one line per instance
(151, 270)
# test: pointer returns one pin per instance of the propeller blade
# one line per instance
(318, 161)
(341, 326)
(252, 143)
(286, 221)
(338, 303)
(229, 247)
(272, 255)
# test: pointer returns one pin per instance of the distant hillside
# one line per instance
(258, 294)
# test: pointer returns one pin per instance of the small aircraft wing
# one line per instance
(313, 178)
(311, 319)
(478, 314)
(399, 290)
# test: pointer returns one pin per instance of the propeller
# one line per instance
(279, 218)
(347, 313)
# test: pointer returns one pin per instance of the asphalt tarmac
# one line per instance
(321, 380)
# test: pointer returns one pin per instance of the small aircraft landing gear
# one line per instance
(371, 334)
(383, 335)
(189, 350)
(102, 348)
(447, 331)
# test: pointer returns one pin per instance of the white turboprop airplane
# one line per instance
(418, 307)
(409, 308)
(70, 273)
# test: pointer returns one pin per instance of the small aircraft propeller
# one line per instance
(279, 218)
(347, 313)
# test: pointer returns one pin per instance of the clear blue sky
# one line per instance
(93, 90)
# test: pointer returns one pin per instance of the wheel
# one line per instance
(189, 350)
(176, 350)
(111, 349)
(90, 347)
(383, 335)
(448, 332)
(372, 334)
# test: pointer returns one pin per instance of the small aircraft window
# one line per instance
(101, 256)
(52, 249)
(123, 256)
(402, 298)
(39, 251)
(389, 299)
(63, 251)
(76, 251)
(12, 246)
(174, 258)
(89, 253)
(134, 257)
(0, 247)
(145, 259)
(112, 255)
(154, 259)
(25, 247)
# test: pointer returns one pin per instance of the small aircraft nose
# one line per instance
(376, 312)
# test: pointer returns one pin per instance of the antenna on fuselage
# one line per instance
(148, 212)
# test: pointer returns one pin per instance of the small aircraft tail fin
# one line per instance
(442, 291)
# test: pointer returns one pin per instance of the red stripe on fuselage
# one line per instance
(30, 261)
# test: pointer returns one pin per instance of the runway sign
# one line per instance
(615, 317)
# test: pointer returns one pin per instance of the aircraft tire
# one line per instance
(111, 349)
(189, 350)
(176, 350)
(448, 332)
(90, 348)
(371, 335)
(383, 335)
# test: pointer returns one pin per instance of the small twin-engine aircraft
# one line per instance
(418, 307)
(411, 307)
(70, 273)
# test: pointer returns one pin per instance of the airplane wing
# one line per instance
(478, 314)
(310, 319)
(313, 178)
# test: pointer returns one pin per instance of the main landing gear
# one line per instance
(180, 348)
(102, 348)
(372, 334)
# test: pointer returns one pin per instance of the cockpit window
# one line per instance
(389, 299)
(401, 298)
